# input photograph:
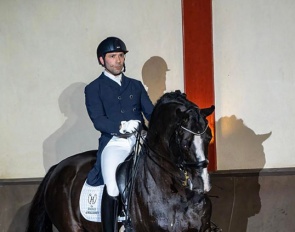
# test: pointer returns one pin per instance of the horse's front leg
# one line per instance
(206, 218)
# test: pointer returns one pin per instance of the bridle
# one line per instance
(199, 164)
(195, 133)
(183, 165)
(198, 133)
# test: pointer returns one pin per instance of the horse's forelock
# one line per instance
(176, 96)
(177, 101)
(172, 108)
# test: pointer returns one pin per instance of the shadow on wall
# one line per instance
(238, 145)
(77, 134)
(18, 223)
(237, 198)
(154, 77)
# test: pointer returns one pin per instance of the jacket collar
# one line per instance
(113, 84)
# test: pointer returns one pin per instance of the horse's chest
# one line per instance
(167, 207)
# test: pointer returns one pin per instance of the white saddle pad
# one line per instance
(90, 202)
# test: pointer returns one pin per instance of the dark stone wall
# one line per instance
(256, 201)
(243, 201)
(15, 198)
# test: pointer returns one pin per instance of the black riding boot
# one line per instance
(109, 212)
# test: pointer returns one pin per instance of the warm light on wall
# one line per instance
(198, 60)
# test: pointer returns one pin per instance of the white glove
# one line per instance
(129, 126)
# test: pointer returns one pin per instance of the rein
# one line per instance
(130, 185)
(186, 177)
(182, 167)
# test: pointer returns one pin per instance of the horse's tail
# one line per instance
(38, 219)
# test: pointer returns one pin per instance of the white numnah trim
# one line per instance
(90, 202)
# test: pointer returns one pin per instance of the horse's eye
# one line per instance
(185, 144)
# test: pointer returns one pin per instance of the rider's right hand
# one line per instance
(129, 126)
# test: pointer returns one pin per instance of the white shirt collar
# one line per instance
(113, 77)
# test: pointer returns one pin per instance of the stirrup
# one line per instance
(214, 227)
(128, 226)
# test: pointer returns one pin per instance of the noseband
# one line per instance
(183, 165)
(200, 164)
(196, 133)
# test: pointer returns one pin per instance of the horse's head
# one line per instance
(193, 124)
(194, 136)
(180, 128)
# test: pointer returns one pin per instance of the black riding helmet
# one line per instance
(110, 44)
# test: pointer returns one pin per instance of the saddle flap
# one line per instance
(123, 177)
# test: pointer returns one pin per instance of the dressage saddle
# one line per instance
(124, 178)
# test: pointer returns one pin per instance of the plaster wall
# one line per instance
(254, 71)
(48, 55)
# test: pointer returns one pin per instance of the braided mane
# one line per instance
(176, 97)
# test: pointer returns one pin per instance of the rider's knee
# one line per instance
(113, 190)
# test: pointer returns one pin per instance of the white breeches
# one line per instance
(112, 155)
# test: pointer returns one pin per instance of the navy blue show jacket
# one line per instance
(107, 105)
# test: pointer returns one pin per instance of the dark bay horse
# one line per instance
(170, 185)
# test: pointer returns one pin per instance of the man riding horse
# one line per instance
(170, 182)
(116, 105)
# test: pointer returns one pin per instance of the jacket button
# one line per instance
(122, 111)
(131, 96)
(134, 109)
(119, 97)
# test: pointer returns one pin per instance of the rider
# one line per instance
(116, 105)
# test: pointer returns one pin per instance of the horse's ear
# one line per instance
(263, 137)
(178, 92)
(207, 111)
(181, 114)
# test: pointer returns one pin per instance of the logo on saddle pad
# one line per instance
(93, 204)
(92, 199)
(90, 202)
